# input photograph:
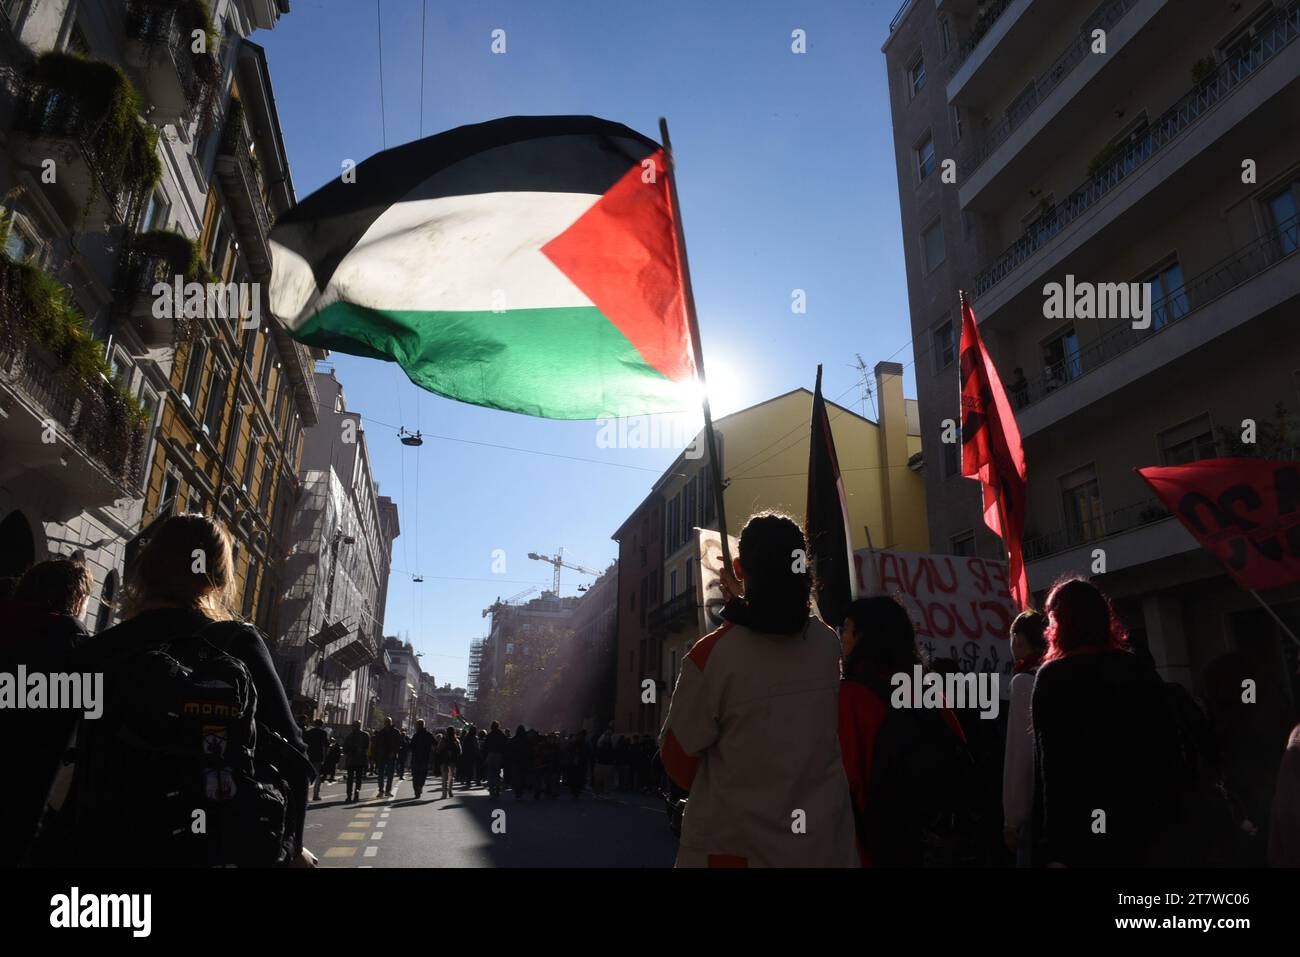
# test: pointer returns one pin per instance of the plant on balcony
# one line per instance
(159, 256)
(93, 102)
(1274, 438)
(1202, 70)
(36, 307)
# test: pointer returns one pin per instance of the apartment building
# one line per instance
(764, 456)
(127, 158)
(1129, 141)
(336, 575)
(520, 668)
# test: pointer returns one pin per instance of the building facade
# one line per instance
(337, 573)
(764, 456)
(1144, 142)
(523, 661)
(130, 158)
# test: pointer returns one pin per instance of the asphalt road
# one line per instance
(472, 829)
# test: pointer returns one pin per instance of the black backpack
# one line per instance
(923, 795)
(178, 768)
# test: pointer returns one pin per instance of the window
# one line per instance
(1168, 299)
(956, 121)
(932, 246)
(951, 459)
(194, 373)
(232, 443)
(268, 477)
(1188, 442)
(945, 35)
(264, 377)
(916, 75)
(11, 9)
(220, 247)
(171, 485)
(22, 243)
(1282, 213)
(216, 401)
(963, 544)
(1081, 500)
(672, 584)
(119, 369)
(250, 588)
(250, 458)
(945, 346)
(104, 617)
(925, 157)
(1061, 359)
(155, 213)
(645, 591)
(194, 503)
(77, 42)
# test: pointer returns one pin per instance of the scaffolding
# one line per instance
(475, 660)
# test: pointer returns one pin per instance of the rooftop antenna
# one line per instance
(868, 394)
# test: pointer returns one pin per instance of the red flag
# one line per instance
(1245, 511)
(991, 449)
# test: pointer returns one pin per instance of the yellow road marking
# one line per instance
(341, 852)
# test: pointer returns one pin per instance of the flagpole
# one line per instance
(1280, 623)
(693, 323)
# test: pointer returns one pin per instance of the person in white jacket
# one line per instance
(1028, 645)
(752, 729)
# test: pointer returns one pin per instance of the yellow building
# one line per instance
(764, 456)
(238, 393)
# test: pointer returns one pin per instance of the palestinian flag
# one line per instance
(829, 538)
(526, 264)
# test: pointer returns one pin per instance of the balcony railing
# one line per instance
(673, 613)
(158, 24)
(961, 54)
(1170, 125)
(1146, 512)
(1104, 17)
(1262, 254)
(1157, 136)
(106, 433)
(236, 145)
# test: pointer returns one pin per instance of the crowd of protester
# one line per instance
(781, 746)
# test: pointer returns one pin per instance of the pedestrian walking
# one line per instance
(421, 748)
(751, 730)
(140, 774)
(521, 760)
(1028, 646)
(401, 754)
(575, 769)
(494, 751)
(605, 777)
(449, 751)
(332, 760)
(356, 756)
(317, 740)
(1104, 740)
(908, 770)
(470, 755)
(42, 628)
(388, 742)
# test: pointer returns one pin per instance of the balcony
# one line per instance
(1139, 533)
(1116, 170)
(241, 179)
(176, 81)
(149, 259)
(674, 614)
(963, 53)
(898, 17)
(64, 428)
(83, 114)
(1105, 17)
(1207, 301)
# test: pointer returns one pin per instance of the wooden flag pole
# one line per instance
(693, 322)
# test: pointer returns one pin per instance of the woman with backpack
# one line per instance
(896, 776)
(1028, 646)
(751, 730)
(179, 639)
(448, 754)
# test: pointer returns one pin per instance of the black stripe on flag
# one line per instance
(555, 154)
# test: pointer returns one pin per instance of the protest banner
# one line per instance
(961, 606)
(707, 592)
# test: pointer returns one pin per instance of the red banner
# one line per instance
(1245, 511)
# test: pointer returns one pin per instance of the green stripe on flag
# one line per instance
(560, 363)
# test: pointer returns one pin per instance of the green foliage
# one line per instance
(1203, 69)
(1274, 438)
(182, 254)
(93, 101)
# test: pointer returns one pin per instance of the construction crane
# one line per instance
(558, 562)
(512, 600)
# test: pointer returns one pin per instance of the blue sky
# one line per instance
(786, 178)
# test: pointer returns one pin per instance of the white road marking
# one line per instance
(370, 852)
(378, 835)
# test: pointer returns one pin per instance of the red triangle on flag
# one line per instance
(622, 254)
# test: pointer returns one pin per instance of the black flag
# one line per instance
(828, 518)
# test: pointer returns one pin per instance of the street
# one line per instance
(623, 831)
